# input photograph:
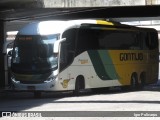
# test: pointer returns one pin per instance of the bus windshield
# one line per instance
(34, 54)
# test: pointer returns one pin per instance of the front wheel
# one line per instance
(79, 85)
(77, 88)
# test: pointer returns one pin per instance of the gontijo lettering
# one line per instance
(131, 56)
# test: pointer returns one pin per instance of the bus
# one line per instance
(74, 55)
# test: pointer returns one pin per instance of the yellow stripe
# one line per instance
(104, 22)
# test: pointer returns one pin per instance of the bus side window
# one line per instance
(87, 40)
(136, 43)
(63, 57)
(67, 48)
(152, 40)
(118, 40)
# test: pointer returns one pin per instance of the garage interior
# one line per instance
(14, 14)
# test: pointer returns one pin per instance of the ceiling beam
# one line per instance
(14, 4)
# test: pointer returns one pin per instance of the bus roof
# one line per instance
(54, 27)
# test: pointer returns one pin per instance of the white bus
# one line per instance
(83, 54)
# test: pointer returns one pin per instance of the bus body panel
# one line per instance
(82, 65)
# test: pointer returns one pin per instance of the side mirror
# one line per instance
(57, 43)
(10, 53)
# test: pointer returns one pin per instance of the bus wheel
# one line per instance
(134, 81)
(37, 94)
(79, 85)
(142, 80)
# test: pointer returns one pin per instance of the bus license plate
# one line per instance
(31, 87)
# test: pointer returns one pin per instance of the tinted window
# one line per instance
(93, 39)
(119, 40)
(33, 54)
(152, 40)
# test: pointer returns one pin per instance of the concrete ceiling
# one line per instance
(23, 11)
(13, 10)
(21, 4)
(114, 13)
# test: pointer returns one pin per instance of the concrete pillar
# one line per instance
(91, 3)
(2, 55)
(152, 2)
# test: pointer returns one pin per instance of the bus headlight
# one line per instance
(14, 80)
(50, 79)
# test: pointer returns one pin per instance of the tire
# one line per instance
(142, 80)
(134, 82)
(37, 94)
(79, 85)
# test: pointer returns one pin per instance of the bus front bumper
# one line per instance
(45, 86)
